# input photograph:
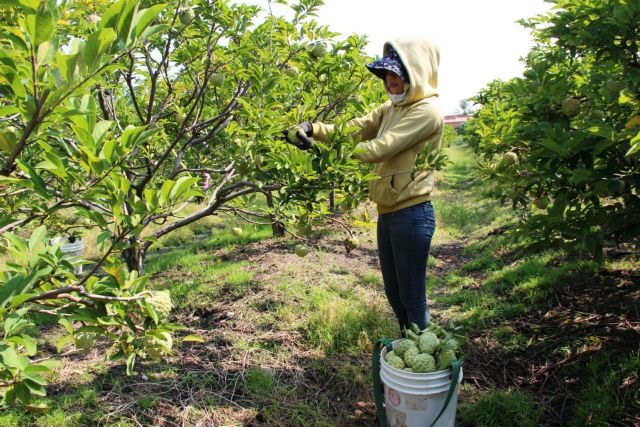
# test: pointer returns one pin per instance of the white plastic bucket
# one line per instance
(75, 249)
(415, 399)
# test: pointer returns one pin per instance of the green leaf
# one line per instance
(604, 131)
(38, 184)
(8, 110)
(29, 343)
(131, 361)
(18, 247)
(14, 323)
(165, 190)
(34, 386)
(40, 26)
(30, 4)
(65, 324)
(10, 358)
(153, 30)
(97, 43)
(7, 141)
(37, 238)
(23, 393)
(20, 284)
(125, 18)
(181, 186)
(626, 97)
(19, 299)
(110, 17)
(108, 321)
(47, 51)
(192, 338)
(64, 341)
(143, 18)
(101, 130)
(108, 149)
(17, 86)
(635, 145)
(553, 146)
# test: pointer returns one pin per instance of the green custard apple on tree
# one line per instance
(161, 303)
(291, 70)
(186, 15)
(85, 341)
(217, 79)
(351, 243)
(541, 202)
(570, 106)
(509, 158)
(301, 250)
(319, 50)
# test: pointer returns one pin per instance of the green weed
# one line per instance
(371, 279)
(259, 382)
(497, 408)
(611, 387)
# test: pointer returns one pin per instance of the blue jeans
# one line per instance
(404, 240)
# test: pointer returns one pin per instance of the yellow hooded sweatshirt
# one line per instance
(394, 135)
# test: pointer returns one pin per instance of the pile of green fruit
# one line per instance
(428, 350)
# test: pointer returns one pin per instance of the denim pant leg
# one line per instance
(404, 240)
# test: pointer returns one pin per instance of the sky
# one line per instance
(479, 40)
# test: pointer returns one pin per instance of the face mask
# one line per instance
(397, 98)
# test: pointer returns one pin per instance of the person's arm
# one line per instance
(416, 126)
(368, 125)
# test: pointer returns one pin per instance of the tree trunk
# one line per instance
(276, 226)
(134, 257)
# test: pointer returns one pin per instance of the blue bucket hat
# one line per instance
(390, 62)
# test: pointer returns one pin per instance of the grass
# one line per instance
(288, 340)
(501, 408)
(608, 390)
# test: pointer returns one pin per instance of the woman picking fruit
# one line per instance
(393, 135)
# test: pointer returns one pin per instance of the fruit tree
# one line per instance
(565, 136)
(112, 114)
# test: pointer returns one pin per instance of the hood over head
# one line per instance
(420, 59)
(389, 62)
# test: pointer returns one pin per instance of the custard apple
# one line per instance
(424, 363)
(84, 341)
(404, 345)
(158, 345)
(394, 361)
(161, 303)
(428, 342)
(410, 355)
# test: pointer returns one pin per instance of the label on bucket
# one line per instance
(394, 397)
(416, 403)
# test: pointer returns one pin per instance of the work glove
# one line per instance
(300, 136)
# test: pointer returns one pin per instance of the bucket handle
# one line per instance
(378, 388)
(455, 374)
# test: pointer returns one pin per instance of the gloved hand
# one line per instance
(300, 136)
